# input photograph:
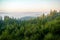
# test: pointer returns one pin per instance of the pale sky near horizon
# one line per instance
(29, 5)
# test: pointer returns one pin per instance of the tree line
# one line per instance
(45, 27)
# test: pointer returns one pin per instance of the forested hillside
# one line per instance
(45, 27)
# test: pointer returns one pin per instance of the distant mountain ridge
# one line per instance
(27, 18)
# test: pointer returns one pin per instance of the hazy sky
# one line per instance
(29, 5)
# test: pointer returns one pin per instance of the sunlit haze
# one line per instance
(28, 6)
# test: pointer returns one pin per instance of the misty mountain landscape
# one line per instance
(29, 19)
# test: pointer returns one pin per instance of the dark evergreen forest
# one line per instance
(45, 27)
